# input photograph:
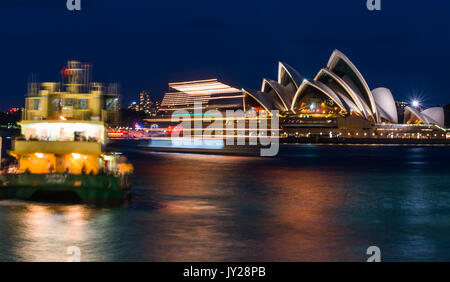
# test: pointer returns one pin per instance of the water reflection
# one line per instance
(192, 190)
(43, 232)
(304, 207)
(312, 203)
(192, 232)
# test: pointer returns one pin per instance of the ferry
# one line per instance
(61, 152)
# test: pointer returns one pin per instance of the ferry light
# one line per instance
(76, 156)
(66, 72)
(39, 155)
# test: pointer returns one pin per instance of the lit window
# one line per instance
(76, 156)
(83, 104)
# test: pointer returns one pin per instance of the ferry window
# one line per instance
(83, 104)
(79, 136)
(69, 102)
(112, 104)
(55, 104)
(35, 104)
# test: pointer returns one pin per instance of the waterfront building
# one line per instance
(339, 103)
(212, 93)
(145, 102)
(156, 108)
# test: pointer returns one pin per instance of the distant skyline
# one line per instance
(144, 45)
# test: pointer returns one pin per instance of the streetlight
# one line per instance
(415, 103)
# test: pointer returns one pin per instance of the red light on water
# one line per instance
(175, 130)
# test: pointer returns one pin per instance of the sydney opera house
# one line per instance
(337, 103)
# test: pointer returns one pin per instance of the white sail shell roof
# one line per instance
(434, 115)
(386, 108)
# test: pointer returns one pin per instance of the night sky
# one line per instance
(145, 44)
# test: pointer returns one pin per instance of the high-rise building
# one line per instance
(145, 103)
(157, 105)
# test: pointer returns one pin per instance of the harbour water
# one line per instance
(311, 203)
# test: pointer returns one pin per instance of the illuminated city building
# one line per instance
(157, 105)
(339, 103)
(211, 93)
(339, 90)
(214, 96)
(145, 102)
